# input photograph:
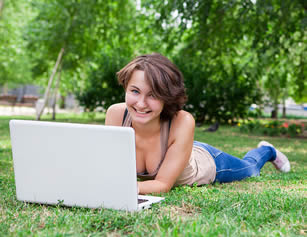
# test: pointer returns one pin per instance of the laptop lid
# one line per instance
(74, 164)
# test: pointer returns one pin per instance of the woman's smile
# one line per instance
(142, 112)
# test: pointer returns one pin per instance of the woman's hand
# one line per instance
(152, 186)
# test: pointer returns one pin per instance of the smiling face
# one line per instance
(162, 77)
(141, 103)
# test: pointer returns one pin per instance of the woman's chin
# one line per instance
(140, 119)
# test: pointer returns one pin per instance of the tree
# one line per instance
(13, 17)
(101, 89)
(134, 35)
(218, 36)
(46, 95)
(279, 38)
(1, 6)
(212, 49)
(86, 30)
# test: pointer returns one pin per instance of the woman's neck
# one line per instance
(147, 130)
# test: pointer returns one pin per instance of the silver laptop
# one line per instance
(76, 165)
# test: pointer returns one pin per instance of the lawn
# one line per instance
(273, 204)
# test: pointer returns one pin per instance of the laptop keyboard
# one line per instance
(142, 200)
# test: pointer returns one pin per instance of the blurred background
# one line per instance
(240, 58)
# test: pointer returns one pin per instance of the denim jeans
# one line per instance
(230, 168)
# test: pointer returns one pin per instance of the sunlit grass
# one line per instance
(273, 204)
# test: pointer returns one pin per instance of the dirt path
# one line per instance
(18, 110)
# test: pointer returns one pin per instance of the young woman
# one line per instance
(166, 153)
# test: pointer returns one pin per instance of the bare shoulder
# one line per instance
(183, 118)
(115, 113)
(183, 124)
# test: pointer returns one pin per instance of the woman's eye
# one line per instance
(134, 91)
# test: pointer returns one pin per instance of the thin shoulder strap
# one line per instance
(126, 119)
(164, 134)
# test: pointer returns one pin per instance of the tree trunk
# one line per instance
(62, 102)
(5, 89)
(275, 111)
(40, 110)
(283, 108)
(1, 7)
(260, 110)
(56, 93)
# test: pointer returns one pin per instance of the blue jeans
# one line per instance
(230, 168)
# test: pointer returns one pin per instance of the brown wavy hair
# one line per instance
(164, 78)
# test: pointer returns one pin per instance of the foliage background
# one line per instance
(232, 53)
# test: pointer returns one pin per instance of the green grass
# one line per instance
(273, 204)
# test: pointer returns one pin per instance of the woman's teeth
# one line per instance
(142, 112)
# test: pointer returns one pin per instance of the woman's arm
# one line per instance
(177, 156)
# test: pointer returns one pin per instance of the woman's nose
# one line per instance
(142, 102)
